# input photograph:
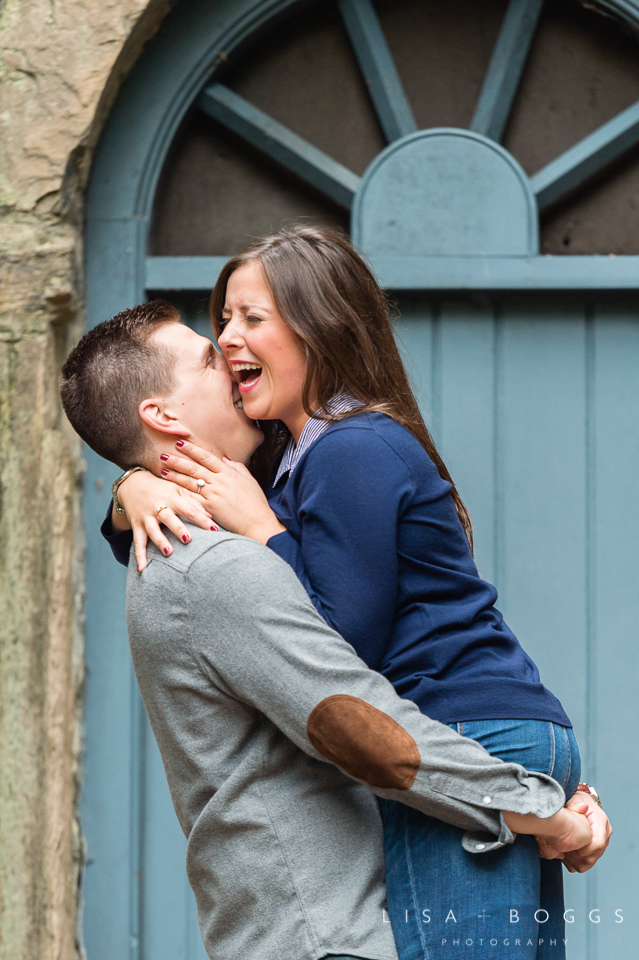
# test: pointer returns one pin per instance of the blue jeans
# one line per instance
(447, 904)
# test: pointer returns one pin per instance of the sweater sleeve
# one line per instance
(257, 634)
(349, 491)
(120, 543)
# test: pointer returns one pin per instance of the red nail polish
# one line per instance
(164, 456)
(166, 551)
(215, 529)
(179, 443)
(164, 473)
(185, 538)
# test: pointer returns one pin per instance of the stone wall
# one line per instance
(62, 62)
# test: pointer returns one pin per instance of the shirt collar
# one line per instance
(314, 428)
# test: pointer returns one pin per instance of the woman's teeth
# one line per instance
(248, 373)
(238, 404)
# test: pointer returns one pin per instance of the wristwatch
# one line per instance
(586, 788)
(118, 482)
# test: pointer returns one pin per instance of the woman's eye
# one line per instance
(223, 322)
(254, 319)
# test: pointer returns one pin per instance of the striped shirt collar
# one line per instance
(340, 403)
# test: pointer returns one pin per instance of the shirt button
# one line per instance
(487, 800)
(480, 846)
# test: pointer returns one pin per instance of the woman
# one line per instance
(363, 508)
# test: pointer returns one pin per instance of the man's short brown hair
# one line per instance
(105, 378)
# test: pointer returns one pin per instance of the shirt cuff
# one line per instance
(477, 842)
(120, 543)
(106, 529)
(526, 792)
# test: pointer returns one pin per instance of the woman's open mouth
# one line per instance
(248, 375)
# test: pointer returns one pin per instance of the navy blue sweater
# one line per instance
(373, 535)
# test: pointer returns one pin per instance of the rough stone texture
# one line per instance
(62, 63)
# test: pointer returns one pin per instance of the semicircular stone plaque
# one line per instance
(445, 192)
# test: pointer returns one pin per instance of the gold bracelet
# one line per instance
(117, 483)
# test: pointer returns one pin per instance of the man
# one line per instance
(250, 693)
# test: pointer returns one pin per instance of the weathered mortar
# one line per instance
(62, 63)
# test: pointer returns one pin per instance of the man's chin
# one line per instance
(257, 439)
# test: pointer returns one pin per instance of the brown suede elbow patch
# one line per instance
(363, 741)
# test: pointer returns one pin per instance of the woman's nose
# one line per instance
(230, 336)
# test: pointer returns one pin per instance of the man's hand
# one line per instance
(583, 858)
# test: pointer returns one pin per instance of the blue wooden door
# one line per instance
(525, 369)
(535, 408)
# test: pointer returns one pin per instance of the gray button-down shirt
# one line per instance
(244, 685)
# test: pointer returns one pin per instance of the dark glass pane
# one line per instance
(218, 194)
(442, 51)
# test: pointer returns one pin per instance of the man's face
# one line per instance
(206, 399)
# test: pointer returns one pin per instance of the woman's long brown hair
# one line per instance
(329, 297)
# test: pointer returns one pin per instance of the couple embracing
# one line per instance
(347, 725)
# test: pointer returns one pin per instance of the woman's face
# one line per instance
(264, 354)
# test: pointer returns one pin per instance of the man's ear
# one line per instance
(156, 415)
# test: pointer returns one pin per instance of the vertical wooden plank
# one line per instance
(541, 463)
(615, 656)
(466, 391)
(415, 332)
(542, 439)
(165, 915)
(589, 745)
(109, 791)
(110, 798)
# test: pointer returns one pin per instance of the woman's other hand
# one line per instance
(231, 494)
(582, 858)
(141, 495)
